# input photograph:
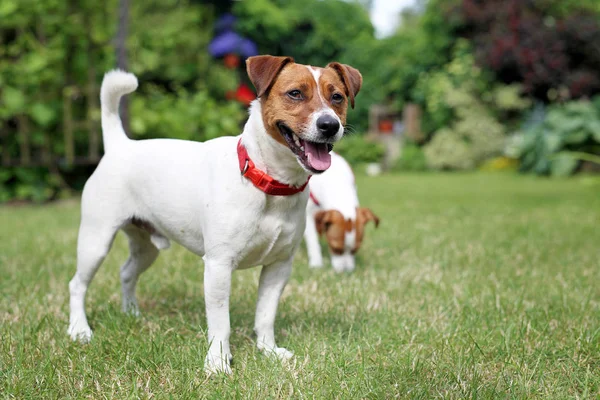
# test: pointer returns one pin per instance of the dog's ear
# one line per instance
(350, 76)
(262, 71)
(364, 215)
(323, 220)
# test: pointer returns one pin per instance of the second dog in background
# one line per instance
(333, 210)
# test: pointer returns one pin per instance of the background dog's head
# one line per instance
(344, 236)
(304, 107)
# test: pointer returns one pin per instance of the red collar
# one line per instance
(313, 198)
(261, 179)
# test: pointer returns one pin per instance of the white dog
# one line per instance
(237, 201)
(333, 210)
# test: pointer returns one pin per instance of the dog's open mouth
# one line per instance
(313, 156)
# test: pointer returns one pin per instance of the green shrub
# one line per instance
(551, 138)
(184, 115)
(467, 109)
(356, 149)
(31, 184)
(51, 49)
(411, 159)
(475, 135)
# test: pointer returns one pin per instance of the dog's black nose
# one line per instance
(328, 125)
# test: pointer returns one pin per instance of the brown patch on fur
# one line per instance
(275, 77)
(350, 76)
(333, 224)
(263, 70)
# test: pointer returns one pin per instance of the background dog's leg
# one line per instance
(142, 254)
(273, 279)
(92, 246)
(313, 248)
(217, 287)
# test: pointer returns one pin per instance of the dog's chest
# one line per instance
(275, 237)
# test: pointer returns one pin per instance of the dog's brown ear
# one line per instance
(262, 71)
(350, 76)
(365, 215)
(322, 220)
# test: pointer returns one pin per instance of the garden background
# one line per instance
(480, 282)
(501, 84)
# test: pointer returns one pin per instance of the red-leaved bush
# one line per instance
(521, 41)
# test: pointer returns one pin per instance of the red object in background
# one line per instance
(231, 61)
(386, 126)
(243, 94)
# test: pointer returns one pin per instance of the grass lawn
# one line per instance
(473, 286)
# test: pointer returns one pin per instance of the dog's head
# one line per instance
(304, 107)
(344, 236)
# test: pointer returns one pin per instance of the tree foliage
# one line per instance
(51, 50)
(549, 46)
(467, 108)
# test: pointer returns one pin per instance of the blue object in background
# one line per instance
(227, 41)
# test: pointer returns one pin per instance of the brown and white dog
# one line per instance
(238, 202)
(333, 210)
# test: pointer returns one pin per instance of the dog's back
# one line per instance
(336, 188)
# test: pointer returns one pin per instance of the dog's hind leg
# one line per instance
(94, 242)
(142, 253)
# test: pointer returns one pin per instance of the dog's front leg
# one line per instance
(311, 238)
(217, 287)
(273, 279)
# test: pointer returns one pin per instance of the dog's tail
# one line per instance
(115, 85)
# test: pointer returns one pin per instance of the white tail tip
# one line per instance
(119, 80)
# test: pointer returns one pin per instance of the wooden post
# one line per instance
(92, 112)
(46, 150)
(121, 48)
(24, 139)
(68, 125)
(69, 89)
(412, 122)
(4, 141)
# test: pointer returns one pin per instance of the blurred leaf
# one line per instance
(576, 137)
(5, 175)
(7, 7)
(14, 99)
(36, 62)
(594, 127)
(563, 165)
(553, 142)
(559, 122)
(42, 114)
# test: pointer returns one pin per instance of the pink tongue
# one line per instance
(317, 155)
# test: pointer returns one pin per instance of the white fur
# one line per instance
(334, 189)
(312, 132)
(192, 193)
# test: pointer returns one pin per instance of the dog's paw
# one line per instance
(80, 332)
(218, 364)
(130, 307)
(315, 264)
(278, 353)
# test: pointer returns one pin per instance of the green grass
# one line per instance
(474, 286)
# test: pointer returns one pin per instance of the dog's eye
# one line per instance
(337, 98)
(295, 94)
